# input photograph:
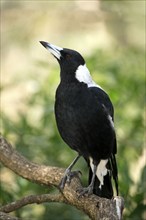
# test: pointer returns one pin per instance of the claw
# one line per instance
(68, 174)
(87, 191)
(73, 174)
(62, 183)
(67, 177)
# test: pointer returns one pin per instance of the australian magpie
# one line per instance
(85, 120)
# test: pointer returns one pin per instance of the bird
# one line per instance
(85, 119)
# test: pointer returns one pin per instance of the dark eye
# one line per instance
(68, 56)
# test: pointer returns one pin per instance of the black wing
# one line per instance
(104, 100)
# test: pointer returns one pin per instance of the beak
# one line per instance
(54, 50)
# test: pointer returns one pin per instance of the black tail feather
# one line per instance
(114, 171)
(106, 190)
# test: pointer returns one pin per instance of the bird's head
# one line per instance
(69, 60)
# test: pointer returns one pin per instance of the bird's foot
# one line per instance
(68, 176)
(87, 191)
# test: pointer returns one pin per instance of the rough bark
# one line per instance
(4, 216)
(95, 207)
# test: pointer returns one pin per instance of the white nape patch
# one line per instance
(101, 170)
(55, 50)
(111, 121)
(82, 74)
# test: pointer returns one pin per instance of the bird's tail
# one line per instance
(106, 189)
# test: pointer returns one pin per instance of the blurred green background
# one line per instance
(110, 35)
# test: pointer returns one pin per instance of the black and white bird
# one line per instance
(85, 120)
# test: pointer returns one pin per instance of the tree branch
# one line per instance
(95, 207)
(31, 200)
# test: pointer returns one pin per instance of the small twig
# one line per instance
(30, 200)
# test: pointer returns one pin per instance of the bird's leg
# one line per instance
(89, 190)
(68, 174)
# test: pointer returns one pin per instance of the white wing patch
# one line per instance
(111, 121)
(101, 170)
(82, 74)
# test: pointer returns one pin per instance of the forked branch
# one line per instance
(95, 207)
